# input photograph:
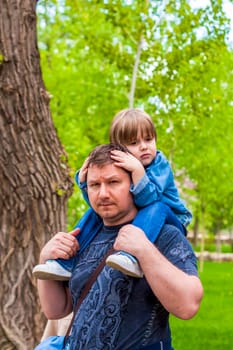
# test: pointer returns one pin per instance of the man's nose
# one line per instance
(103, 191)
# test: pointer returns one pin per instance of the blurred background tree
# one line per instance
(34, 175)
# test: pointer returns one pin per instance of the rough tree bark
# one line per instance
(34, 176)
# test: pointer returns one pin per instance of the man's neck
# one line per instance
(120, 220)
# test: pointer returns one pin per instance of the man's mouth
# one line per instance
(104, 204)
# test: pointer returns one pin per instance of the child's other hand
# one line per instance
(83, 171)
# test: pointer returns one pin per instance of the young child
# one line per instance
(153, 188)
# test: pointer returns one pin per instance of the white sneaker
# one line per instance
(125, 263)
(51, 270)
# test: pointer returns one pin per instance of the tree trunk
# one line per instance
(34, 176)
(195, 230)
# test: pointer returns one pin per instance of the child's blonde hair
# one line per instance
(126, 124)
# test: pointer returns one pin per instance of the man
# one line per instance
(121, 312)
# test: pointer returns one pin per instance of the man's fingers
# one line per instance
(75, 232)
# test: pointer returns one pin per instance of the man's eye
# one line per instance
(114, 182)
(94, 185)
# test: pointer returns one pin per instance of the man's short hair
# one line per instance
(101, 155)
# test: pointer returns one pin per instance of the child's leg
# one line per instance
(89, 225)
(60, 269)
(152, 218)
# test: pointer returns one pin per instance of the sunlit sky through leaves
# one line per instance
(228, 6)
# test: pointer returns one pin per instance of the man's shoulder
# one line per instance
(169, 232)
(174, 245)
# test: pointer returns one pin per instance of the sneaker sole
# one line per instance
(124, 270)
(41, 275)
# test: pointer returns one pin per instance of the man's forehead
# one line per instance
(107, 170)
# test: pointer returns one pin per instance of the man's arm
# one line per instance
(54, 295)
(177, 291)
(55, 299)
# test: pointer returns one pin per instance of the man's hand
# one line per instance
(131, 239)
(63, 245)
(129, 163)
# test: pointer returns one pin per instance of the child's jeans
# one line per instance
(150, 219)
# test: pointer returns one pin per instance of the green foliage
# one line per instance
(212, 247)
(211, 328)
(1, 57)
(184, 80)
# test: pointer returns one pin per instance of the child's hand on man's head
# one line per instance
(129, 163)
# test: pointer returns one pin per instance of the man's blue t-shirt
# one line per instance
(121, 312)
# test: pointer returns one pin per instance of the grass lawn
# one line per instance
(212, 327)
